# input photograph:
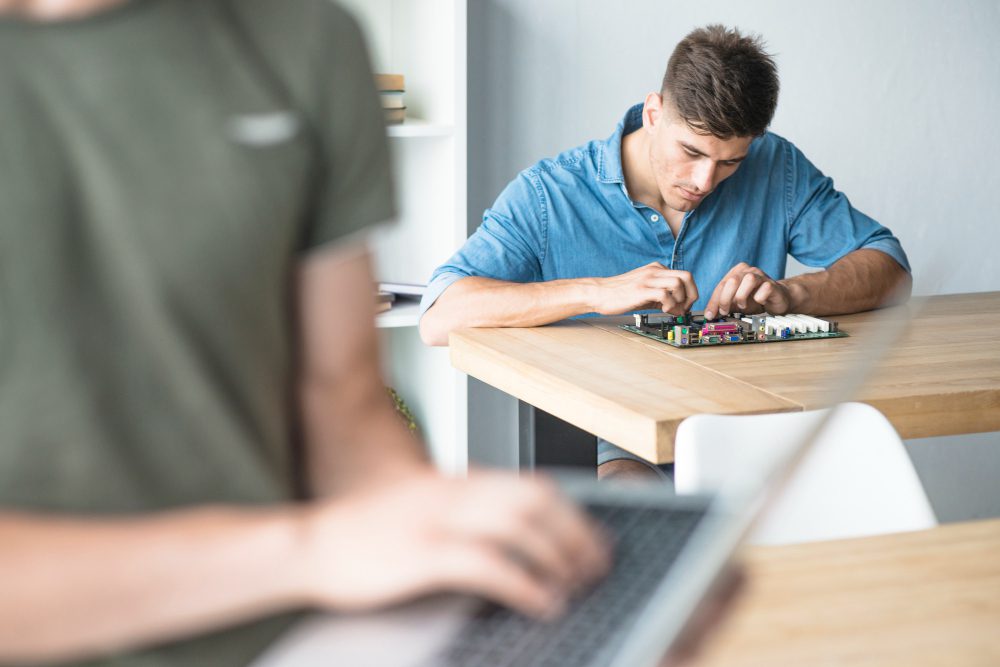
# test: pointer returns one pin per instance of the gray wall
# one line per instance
(897, 100)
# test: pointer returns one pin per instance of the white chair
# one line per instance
(856, 480)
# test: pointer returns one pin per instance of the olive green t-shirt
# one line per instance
(164, 167)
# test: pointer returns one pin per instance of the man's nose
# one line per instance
(704, 175)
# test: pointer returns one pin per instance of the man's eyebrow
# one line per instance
(691, 149)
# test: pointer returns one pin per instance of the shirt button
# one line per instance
(654, 218)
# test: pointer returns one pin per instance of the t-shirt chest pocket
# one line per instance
(236, 202)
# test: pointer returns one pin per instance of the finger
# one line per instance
(532, 521)
(763, 295)
(669, 289)
(663, 299)
(748, 285)
(480, 569)
(516, 532)
(729, 287)
(680, 283)
(672, 284)
(583, 542)
(690, 288)
(773, 298)
(712, 308)
(672, 307)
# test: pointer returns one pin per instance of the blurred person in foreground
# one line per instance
(195, 442)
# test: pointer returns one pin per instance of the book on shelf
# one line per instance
(390, 82)
(392, 99)
(391, 88)
(383, 301)
(403, 290)
(395, 116)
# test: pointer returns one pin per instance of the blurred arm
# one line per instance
(76, 587)
(352, 432)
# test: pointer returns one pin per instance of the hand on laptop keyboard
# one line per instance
(518, 542)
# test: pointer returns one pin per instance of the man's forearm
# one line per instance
(77, 587)
(484, 302)
(862, 280)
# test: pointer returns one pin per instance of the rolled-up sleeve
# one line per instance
(823, 226)
(509, 244)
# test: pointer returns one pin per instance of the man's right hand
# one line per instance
(648, 287)
(515, 541)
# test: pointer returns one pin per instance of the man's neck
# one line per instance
(639, 179)
(55, 10)
(638, 174)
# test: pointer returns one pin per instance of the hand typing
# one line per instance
(515, 541)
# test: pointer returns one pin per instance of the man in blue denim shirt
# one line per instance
(690, 192)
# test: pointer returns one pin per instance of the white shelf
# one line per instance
(426, 41)
(420, 128)
(404, 315)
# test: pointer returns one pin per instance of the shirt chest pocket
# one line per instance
(231, 201)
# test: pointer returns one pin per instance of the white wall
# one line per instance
(898, 100)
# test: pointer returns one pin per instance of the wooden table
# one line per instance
(925, 598)
(943, 378)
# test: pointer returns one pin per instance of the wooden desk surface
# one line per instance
(942, 379)
(925, 598)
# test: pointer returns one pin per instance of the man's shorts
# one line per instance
(608, 452)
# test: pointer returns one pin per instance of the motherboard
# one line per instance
(695, 331)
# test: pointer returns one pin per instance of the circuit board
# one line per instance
(737, 329)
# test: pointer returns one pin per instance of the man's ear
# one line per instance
(652, 111)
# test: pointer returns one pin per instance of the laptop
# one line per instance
(670, 553)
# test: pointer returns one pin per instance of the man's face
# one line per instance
(687, 165)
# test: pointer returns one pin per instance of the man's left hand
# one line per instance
(747, 289)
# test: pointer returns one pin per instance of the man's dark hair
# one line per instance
(722, 82)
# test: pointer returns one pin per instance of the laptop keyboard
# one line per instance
(647, 541)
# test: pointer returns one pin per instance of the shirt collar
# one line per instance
(609, 158)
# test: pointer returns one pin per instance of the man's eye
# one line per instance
(691, 153)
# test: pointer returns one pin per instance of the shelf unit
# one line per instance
(400, 315)
(425, 40)
(420, 128)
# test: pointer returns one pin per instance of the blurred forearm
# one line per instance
(352, 432)
(81, 587)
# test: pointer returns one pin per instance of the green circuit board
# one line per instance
(693, 330)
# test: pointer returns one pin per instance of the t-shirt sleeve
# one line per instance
(823, 226)
(355, 184)
(509, 244)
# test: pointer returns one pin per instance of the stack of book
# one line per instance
(390, 89)
(389, 295)
(383, 301)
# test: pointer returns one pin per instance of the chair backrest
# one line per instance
(857, 479)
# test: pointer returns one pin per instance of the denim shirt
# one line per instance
(571, 217)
